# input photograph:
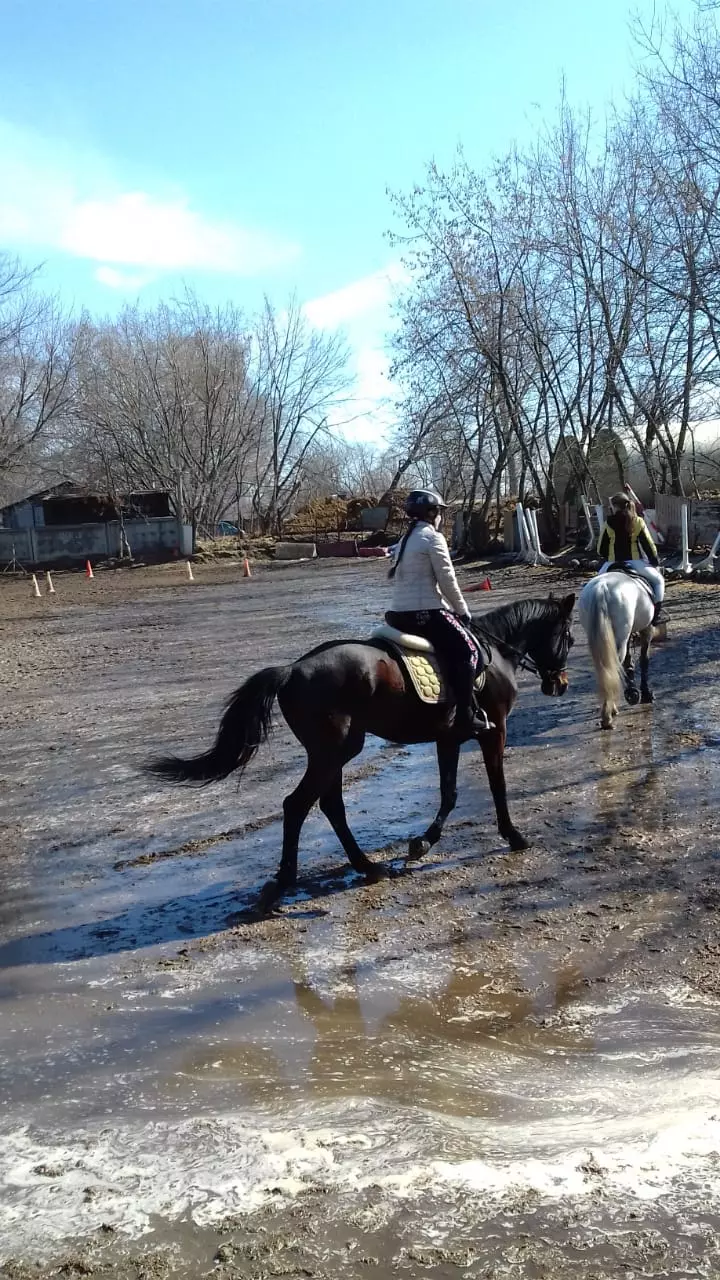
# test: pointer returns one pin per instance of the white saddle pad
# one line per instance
(402, 638)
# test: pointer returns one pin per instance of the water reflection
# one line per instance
(443, 1050)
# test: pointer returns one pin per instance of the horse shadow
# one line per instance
(183, 919)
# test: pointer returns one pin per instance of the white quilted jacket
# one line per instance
(425, 577)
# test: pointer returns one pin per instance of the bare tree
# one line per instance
(350, 467)
(166, 401)
(38, 352)
(302, 381)
(562, 305)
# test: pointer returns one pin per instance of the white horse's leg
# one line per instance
(646, 694)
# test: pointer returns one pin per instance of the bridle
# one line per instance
(525, 662)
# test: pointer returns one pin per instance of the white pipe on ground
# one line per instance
(709, 561)
(521, 531)
(542, 558)
(530, 517)
(685, 566)
(529, 552)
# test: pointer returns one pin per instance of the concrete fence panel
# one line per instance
(295, 551)
(70, 542)
(162, 534)
(21, 541)
(54, 544)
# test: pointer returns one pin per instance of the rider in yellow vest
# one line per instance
(624, 538)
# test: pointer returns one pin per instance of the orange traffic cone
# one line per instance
(478, 586)
(36, 589)
(49, 584)
(247, 571)
(88, 570)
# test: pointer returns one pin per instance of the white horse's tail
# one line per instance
(603, 648)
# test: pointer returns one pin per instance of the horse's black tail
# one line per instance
(244, 727)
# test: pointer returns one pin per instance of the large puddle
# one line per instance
(453, 1048)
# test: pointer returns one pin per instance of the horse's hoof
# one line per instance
(647, 696)
(269, 896)
(632, 697)
(417, 848)
(376, 872)
(607, 725)
(517, 842)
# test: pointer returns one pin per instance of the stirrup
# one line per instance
(486, 724)
(476, 724)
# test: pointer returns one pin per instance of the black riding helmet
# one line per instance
(421, 502)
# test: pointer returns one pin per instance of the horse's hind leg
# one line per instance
(296, 808)
(646, 694)
(631, 690)
(333, 806)
(448, 754)
(328, 751)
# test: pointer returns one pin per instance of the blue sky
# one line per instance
(245, 146)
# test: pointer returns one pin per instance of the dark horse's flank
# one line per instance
(332, 697)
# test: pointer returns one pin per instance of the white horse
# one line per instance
(612, 608)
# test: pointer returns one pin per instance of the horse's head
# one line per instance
(551, 642)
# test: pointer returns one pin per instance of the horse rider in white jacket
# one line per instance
(427, 601)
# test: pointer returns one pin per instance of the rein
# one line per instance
(525, 662)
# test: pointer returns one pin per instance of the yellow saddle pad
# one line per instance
(427, 678)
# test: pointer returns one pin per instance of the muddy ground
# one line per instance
(494, 1065)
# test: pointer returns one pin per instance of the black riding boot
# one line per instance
(656, 614)
(469, 719)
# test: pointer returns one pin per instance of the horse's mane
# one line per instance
(508, 620)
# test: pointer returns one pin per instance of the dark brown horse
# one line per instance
(332, 697)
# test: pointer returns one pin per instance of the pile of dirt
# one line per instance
(235, 547)
(320, 515)
(328, 516)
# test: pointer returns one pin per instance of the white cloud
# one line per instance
(372, 411)
(136, 229)
(363, 310)
(371, 293)
(373, 373)
(131, 280)
(70, 201)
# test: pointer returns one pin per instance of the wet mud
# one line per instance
(493, 1064)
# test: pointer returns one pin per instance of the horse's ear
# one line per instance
(567, 604)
